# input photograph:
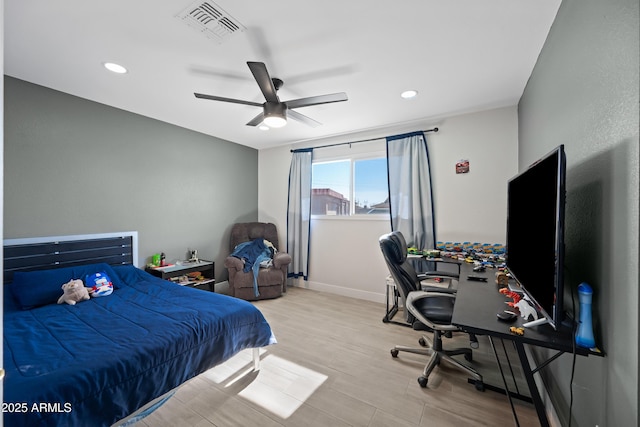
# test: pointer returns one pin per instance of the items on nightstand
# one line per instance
(193, 255)
(158, 260)
(155, 260)
(199, 274)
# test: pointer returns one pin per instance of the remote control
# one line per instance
(477, 278)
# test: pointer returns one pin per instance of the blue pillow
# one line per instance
(35, 288)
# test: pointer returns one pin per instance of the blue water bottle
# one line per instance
(584, 337)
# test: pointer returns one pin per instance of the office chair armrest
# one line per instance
(438, 275)
(428, 288)
(418, 295)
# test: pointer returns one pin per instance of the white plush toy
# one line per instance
(74, 291)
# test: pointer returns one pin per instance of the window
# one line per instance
(350, 187)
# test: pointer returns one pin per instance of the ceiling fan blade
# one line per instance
(303, 119)
(256, 120)
(260, 73)
(316, 100)
(220, 98)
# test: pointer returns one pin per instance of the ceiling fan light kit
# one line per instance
(275, 112)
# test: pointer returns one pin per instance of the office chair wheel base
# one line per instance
(468, 357)
(479, 385)
(394, 353)
(423, 381)
(422, 342)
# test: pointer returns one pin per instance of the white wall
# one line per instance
(472, 207)
(345, 257)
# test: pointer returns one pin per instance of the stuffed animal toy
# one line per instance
(74, 291)
(99, 285)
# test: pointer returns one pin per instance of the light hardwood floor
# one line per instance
(332, 367)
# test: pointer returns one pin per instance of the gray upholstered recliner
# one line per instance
(271, 280)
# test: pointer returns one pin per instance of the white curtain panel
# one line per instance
(299, 213)
(410, 195)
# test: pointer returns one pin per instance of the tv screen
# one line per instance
(535, 233)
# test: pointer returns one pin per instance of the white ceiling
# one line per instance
(461, 55)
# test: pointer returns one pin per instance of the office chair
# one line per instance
(429, 311)
(427, 270)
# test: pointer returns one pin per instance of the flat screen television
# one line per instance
(535, 234)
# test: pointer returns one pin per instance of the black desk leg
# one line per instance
(391, 311)
(504, 381)
(533, 388)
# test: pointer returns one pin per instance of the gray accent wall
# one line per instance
(73, 166)
(583, 93)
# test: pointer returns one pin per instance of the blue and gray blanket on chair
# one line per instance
(253, 253)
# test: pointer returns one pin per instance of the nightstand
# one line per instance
(178, 273)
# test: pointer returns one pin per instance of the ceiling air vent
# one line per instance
(210, 19)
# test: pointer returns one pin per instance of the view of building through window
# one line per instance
(350, 187)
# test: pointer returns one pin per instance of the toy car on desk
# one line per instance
(516, 330)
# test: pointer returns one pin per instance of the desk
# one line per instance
(477, 304)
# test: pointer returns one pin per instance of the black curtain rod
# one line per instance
(352, 142)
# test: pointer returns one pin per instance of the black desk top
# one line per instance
(477, 304)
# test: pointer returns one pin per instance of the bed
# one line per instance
(100, 361)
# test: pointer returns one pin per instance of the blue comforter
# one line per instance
(98, 361)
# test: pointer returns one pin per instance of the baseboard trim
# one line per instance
(340, 290)
(222, 287)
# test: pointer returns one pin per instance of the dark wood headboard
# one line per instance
(43, 253)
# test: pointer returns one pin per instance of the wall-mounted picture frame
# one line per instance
(462, 166)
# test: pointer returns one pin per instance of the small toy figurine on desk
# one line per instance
(526, 310)
(501, 278)
(514, 295)
(516, 330)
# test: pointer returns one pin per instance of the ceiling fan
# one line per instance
(275, 112)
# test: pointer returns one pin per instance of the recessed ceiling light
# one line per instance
(409, 94)
(113, 67)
